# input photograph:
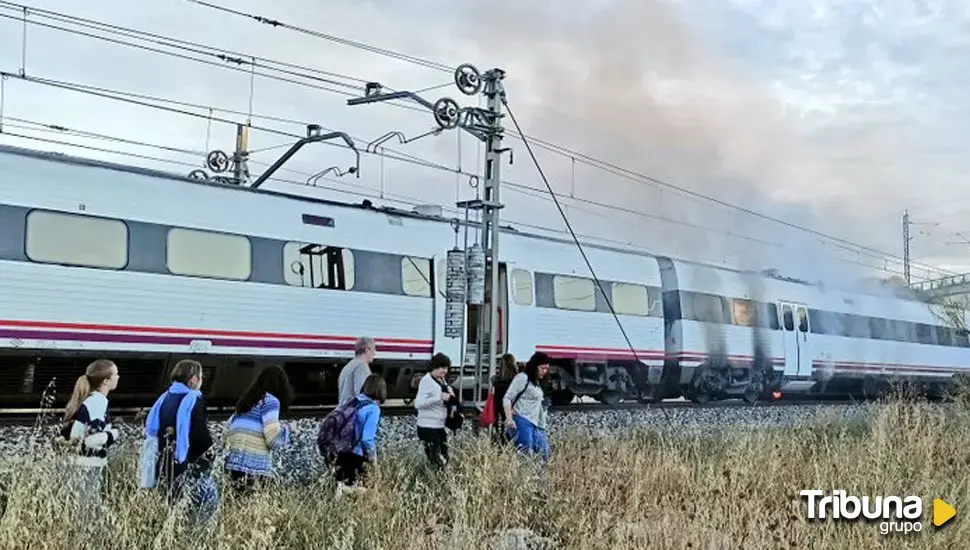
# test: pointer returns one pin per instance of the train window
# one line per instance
(521, 287)
(74, 239)
(416, 276)
(770, 316)
(880, 329)
(314, 265)
(573, 293)
(944, 335)
(743, 312)
(903, 331)
(630, 299)
(824, 322)
(656, 302)
(925, 334)
(788, 318)
(207, 254)
(708, 308)
(802, 320)
(960, 338)
(857, 326)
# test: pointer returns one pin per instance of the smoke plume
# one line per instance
(628, 81)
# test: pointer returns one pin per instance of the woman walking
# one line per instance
(88, 429)
(434, 396)
(255, 429)
(509, 368)
(180, 427)
(526, 414)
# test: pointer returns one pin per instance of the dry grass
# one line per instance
(734, 490)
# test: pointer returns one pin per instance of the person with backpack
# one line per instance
(525, 403)
(432, 402)
(347, 439)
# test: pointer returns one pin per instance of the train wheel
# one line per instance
(873, 388)
(653, 395)
(751, 396)
(609, 397)
(706, 383)
(700, 397)
(753, 393)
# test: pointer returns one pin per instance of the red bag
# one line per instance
(488, 412)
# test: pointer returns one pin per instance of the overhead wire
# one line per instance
(330, 37)
(146, 101)
(165, 39)
(240, 59)
(582, 250)
(237, 66)
(391, 197)
(582, 157)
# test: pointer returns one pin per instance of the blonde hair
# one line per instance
(95, 375)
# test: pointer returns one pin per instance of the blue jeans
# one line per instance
(529, 438)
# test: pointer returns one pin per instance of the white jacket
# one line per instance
(431, 411)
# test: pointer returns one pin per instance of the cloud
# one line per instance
(834, 115)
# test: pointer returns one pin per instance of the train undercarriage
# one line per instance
(25, 375)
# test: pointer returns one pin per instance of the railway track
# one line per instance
(28, 416)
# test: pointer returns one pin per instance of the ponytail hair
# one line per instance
(82, 389)
(96, 373)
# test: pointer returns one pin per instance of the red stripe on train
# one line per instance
(197, 331)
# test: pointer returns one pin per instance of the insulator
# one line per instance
(455, 282)
(476, 275)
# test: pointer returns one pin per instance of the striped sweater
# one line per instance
(91, 427)
(253, 435)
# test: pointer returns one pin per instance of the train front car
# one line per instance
(869, 342)
(148, 268)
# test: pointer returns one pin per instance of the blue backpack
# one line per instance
(338, 431)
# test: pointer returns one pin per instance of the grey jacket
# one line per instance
(351, 379)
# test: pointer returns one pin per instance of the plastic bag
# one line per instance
(488, 412)
(146, 466)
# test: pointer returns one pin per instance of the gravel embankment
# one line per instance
(398, 433)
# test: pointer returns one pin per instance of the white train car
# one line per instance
(868, 341)
(799, 337)
(560, 309)
(102, 260)
(146, 267)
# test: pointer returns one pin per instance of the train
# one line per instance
(100, 259)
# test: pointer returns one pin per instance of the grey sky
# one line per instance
(831, 115)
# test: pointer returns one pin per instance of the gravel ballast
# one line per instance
(398, 433)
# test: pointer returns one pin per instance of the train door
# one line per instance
(794, 327)
(502, 326)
